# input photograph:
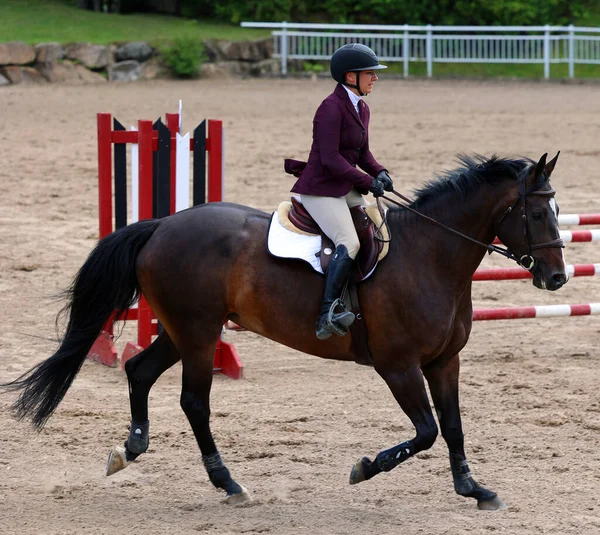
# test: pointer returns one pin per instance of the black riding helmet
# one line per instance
(353, 57)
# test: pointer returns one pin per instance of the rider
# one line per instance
(330, 184)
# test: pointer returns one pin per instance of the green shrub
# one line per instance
(462, 12)
(184, 57)
(310, 66)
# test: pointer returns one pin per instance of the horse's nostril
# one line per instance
(559, 278)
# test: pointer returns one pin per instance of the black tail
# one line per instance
(106, 283)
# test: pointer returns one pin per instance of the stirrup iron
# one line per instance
(345, 318)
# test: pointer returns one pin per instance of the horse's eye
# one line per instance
(537, 216)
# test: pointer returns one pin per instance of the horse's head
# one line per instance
(529, 227)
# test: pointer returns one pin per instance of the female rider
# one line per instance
(330, 184)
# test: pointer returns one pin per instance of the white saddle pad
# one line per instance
(284, 243)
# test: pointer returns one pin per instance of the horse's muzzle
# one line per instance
(553, 283)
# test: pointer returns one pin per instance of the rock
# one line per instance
(242, 50)
(266, 67)
(89, 77)
(16, 53)
(4, 81)
(22, 75)
(89, 55)
(136, 50)
(153, 69)
(224, 69)
(211, 70)
(68, 72)
(125, 71)
(213, 52)
(47, 52)
(266, 47)
(112, 49)
(220, 50)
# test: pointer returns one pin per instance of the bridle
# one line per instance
(522, 199)
(527, 261)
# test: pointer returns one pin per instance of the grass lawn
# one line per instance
(37, 21)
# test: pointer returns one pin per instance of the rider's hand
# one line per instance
(376, 188)
(385, 179)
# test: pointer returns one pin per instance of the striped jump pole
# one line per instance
(501, 274)
(160, 186)
(579, 219)
(550, 311)
(573, 236)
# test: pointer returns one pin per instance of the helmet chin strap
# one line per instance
(357, 85)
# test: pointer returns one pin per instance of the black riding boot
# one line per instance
(330, 321)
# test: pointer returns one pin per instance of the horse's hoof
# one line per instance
(357, 474)
(495, 504)
(116, 460)
(239, 498)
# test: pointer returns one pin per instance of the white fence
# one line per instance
(440, 44)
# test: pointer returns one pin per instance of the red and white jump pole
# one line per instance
(572, 236)
(579, 219)
(501, 274)
(550, 311)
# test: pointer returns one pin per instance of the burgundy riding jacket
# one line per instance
(340, 143)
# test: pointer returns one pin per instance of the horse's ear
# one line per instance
(540, 167)
(550, 165)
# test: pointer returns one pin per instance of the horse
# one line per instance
(204, 266)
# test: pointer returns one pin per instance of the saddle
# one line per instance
(373, 246)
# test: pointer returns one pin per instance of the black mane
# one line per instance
(474, 171)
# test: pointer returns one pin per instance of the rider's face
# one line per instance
(367, 79)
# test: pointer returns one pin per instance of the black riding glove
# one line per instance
(376, 188)
(385, 179)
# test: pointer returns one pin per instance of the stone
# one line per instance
(224, 69)
(16, 74)
(266, 47)
(47, 52)
(242, 50)
(4, 81)
(125, 71)
(67, 72)
(213, 50)
(16, 53)
(136, 50)
(266, 67)
(154, 69)
(89, 55)
(112, 49)
(220, 50)
(89, 77)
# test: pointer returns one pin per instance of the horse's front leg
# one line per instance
(442, 376)
(408, 387)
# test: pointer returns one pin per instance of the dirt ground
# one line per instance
(292, 428)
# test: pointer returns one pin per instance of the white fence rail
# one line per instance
(544, 45)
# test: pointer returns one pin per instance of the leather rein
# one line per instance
(527, 261)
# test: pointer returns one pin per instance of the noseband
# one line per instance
(527, 261)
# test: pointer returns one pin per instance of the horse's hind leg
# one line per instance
(143, 370)
(197, 359)
(442, 376)
(408, 388)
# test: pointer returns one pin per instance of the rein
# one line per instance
(491, 248)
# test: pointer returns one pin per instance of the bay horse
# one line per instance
(203, 266)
